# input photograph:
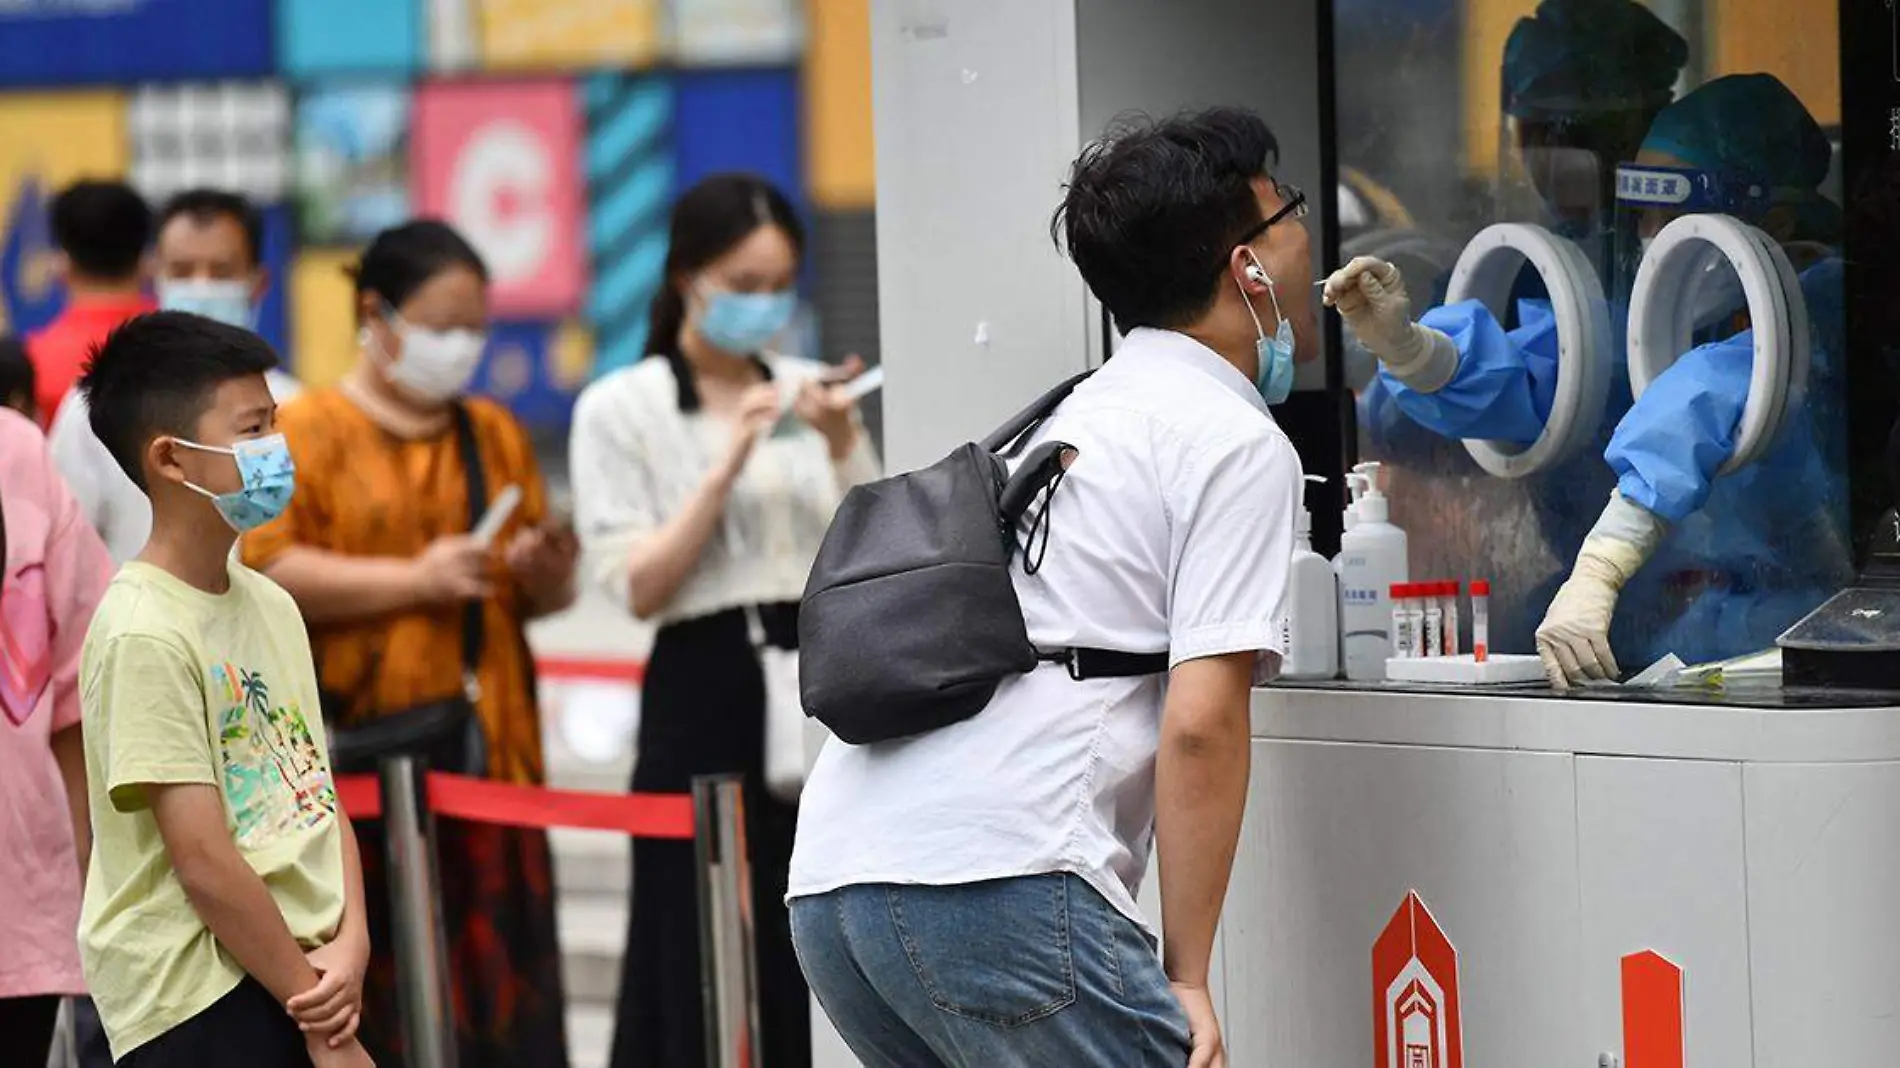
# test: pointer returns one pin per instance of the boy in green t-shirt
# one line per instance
(223, 919)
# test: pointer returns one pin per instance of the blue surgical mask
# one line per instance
(1273, 374)
(269, 480)
(226, 300)
(742, 323)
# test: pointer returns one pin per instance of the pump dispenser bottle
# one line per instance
(1312, 614)
(1355, 491)
(1372, 559)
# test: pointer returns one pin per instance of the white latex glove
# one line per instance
(1370, 295)
(1574, 638)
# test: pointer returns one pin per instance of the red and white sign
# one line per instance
(1415, 993)
(1652, 1012)
(501, 161)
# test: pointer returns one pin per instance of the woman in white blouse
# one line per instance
(704, 478)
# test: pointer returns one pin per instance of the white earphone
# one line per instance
(1255, 273)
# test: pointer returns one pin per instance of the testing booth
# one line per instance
(1438, 875)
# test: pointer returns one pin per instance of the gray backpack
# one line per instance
(910, 620)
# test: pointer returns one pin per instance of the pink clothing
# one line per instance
(56, 569)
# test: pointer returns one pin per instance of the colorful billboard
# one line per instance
(501, 160)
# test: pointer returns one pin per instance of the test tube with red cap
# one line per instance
(1480, 620)
(1450, 592)
(1407, 621)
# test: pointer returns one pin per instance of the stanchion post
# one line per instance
(728, 969)
(420, 949)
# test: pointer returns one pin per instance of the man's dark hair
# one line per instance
(17, 378)
(155, 375)
(205, 206)
(1153, 208)
(103, 228)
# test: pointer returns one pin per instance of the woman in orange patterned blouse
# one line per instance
(376, 550)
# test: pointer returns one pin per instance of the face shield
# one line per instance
(1694, 269)
(1648, 199)
(1557, 170)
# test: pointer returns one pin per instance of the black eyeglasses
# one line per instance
(1293, 207)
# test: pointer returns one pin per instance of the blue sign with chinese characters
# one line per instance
(1684, 189)
(78, 42)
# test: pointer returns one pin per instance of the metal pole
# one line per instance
(421, 947)
(728, 969)
(65, 1051)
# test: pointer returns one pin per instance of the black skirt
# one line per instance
(702, 712)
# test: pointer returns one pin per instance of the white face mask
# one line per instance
(435, 365)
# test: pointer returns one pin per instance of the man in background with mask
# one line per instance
(208, 261)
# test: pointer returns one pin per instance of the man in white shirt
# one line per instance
(967, 897)
(209, 260)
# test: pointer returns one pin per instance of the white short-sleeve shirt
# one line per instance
(1173, 530)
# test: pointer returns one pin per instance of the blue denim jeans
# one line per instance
(1033, 971)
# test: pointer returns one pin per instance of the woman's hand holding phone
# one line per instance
(829, 408)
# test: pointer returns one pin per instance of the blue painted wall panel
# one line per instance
(745, 120)
(42, 42)
(320, 37)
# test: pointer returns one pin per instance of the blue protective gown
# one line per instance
(1504, 384)
(1750, 553)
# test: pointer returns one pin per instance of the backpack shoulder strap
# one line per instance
(1007, 438)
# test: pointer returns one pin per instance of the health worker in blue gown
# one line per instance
(1746, 555)
(1582, 82)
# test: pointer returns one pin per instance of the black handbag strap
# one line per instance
(1005, 439)
(1043, 472)
(477, 505)
(1086, 664)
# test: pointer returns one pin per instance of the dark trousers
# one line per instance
(90, 1035)
(244, 1029)
(26, 1026)
(702, 712)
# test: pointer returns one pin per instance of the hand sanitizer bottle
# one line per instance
(1372, 559)
(1312, 615)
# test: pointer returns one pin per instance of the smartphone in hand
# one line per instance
(499, 512)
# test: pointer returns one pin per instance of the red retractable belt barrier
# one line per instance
(590, 669)
(486, 801)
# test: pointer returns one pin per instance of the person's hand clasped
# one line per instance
(824, 405)
(332, 1010)
(452, 569)
(542, 558)
(1206, 1049)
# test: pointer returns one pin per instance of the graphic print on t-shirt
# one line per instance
(275, 780)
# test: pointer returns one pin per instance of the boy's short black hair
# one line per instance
(17, 378)
(102, 227)
(1152, 210)
(155, 374)
(203, 206)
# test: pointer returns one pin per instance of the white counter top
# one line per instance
(1541, 721)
